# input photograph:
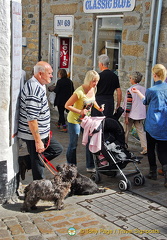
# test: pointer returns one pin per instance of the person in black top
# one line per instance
(107, 85)
(63, 89)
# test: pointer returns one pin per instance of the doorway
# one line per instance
(60, 54)
(108, 38)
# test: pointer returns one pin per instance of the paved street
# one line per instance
(140, 213)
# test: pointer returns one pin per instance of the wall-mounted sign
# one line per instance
(63, 23)
(102, 6)
(64, 52)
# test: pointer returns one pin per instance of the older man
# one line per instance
(107, 85)
(34, 122)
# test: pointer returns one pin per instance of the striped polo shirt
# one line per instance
(33, 106)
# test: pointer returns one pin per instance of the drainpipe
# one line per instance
(148, 61)
(157, 30)
(40, 29)
(95, 45)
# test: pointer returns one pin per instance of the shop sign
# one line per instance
(63, 23)
(102, 6)
(64, 52)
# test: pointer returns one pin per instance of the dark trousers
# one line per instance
(154, 145)
(32, 160)
(61, 110)
(108, 108)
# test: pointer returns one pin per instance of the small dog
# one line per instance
(83, 185)
(50, 190)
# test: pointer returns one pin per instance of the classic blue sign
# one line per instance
(101, 6)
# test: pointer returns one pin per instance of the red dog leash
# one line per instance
(45, 161)
(48, 143)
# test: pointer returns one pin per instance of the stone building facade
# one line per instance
(137, 39)
(140, 41)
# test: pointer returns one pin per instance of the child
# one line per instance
(135, 111)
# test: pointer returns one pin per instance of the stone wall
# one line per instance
(134, 36)
(135, 41)
(30, 9)
(83, 34)
(162, 49)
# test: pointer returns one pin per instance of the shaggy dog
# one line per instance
(50, 190)
(83, 185)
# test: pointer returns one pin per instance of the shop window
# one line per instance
(108, 37)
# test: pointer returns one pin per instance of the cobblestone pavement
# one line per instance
(140, 213)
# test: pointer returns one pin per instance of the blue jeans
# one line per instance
(74, 131)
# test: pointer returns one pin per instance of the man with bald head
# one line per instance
(34, 122)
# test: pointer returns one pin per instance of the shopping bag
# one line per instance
(51, 97)
(134, 133)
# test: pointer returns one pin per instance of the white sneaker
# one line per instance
(91, 170)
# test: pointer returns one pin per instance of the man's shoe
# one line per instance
(22, 167)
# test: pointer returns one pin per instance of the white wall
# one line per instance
(8, 152)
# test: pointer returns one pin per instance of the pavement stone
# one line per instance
(140, 213)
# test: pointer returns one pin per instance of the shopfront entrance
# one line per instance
(61, 45)
(60, 54)
(108, 38)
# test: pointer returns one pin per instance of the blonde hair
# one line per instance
(90, 76)
(160, 71)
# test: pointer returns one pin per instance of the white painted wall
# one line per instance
(8, 152)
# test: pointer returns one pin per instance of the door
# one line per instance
(108, 38)
(60, 54)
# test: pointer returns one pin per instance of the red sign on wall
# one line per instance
(64, 52)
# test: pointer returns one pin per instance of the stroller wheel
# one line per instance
(123, 186)
(139, 180)
(95, 177)
(129, 185)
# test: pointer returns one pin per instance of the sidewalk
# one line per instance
(137, 214)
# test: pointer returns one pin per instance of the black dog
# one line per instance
(83, 185)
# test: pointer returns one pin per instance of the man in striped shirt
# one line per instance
(34, 122)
